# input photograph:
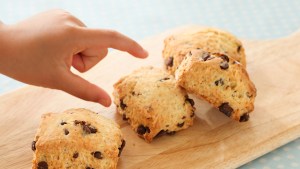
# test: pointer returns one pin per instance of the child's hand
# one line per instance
(41, 50)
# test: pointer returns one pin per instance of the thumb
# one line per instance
(81, 88)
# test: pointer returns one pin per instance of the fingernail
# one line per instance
(145, 53)
(105, 102)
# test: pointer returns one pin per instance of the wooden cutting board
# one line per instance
(213, 142)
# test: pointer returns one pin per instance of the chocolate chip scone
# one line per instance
(220, 80)
(77, 138)
(152, 103)
(209, 39)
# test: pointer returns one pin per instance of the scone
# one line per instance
(77, 138)
(152, 103)
(209, 39)
(220, 80)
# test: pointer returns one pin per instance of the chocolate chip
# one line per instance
(142, 129)
(86, 129)
(190, 53)
(193, 114)
(76, 122)
(171, 132)
(88, 168)
(163, 79)
(249, 95)
(205, 56)
(79, 122)
(124, 117)
(66, 131)
(33, 146)
(42, 165)
(89, 129)
(63, 123)
(180, 124)
(239, 48)
(224, 65)
(245, 117)
(191, 101)
(225, 58)
(121, 147)
(75, 155)
(226, 109)
(169, 62)
(97, 154)
(219, 82)
(183, 117)
(122, 104)
(92, 129)
(135, 94)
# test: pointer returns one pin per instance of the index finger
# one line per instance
(112, 39)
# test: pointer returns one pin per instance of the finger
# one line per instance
(112, 39)
(87, 59)
(77, 62)
(92, 56)
(79, 87)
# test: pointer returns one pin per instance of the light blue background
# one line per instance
(251, 19)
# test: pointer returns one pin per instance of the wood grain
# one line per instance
(213, 142)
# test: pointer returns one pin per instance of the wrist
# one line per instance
(5, 47)
(2, 39)
(2, 36)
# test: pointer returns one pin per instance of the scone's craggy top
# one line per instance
(152, 103)
(220, 80)
(209, 39)
(77, 138)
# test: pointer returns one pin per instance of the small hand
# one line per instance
(41, 50)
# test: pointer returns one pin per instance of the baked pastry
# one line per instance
(209, 39)
(152, 103)
(220, 80)
(77, 138)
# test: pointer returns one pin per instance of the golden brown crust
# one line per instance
(209, 39)
(152, 103)
(77, 138)
(220, 80)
